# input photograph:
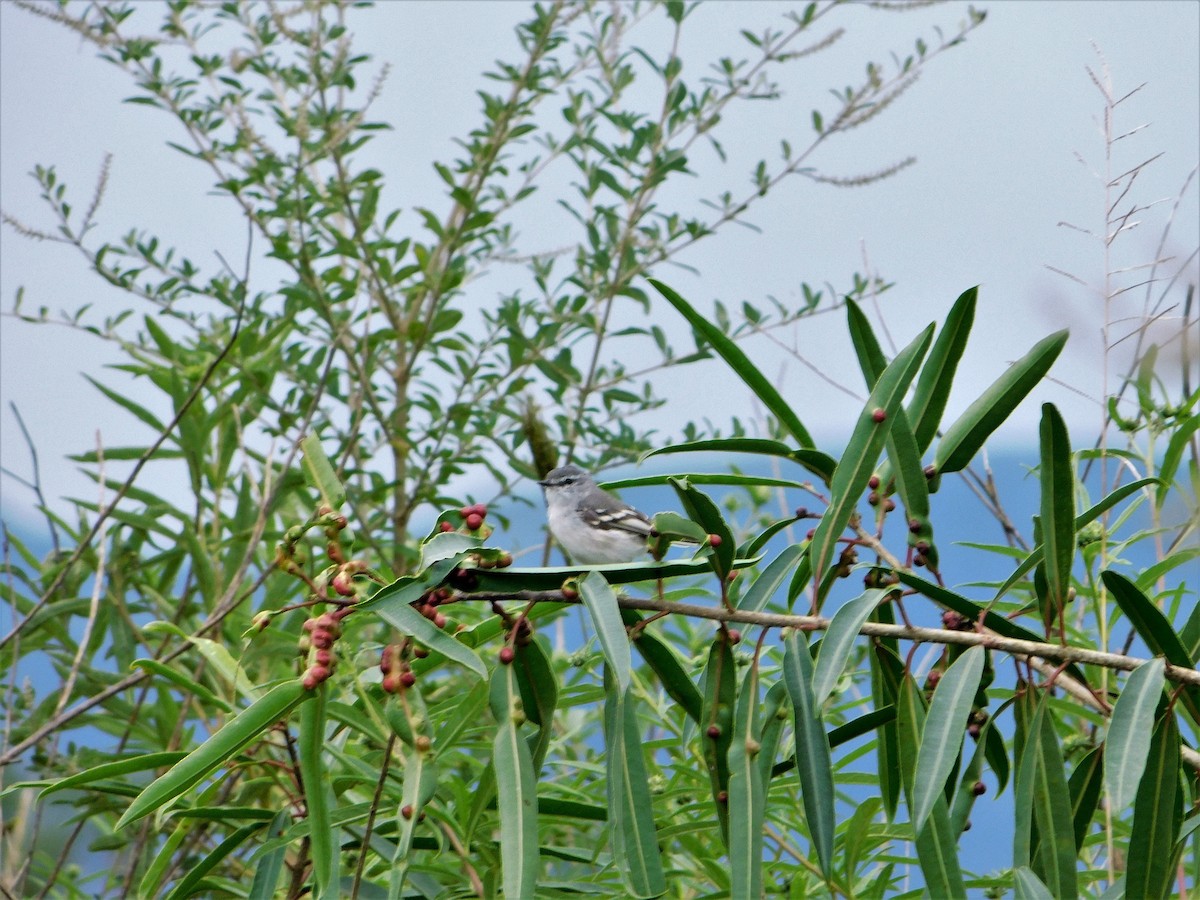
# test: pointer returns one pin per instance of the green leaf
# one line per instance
(1129, 732)
(324, 839)
(392, 604)
(937, 850)
(1027, 886)
(1177, 444)
(268, 865)
(814, 764)
(858, 462)
(1157, 817)
(539, 694)
(945, 727)
(820, 464)
(236, 734)
(720, 695)
(320, 473)
(516, 789)
(741, 365)
(937, 375)
(1153, 628)
(967, 434)
(665, 662)
(601, 603)
(701, 509)
(631, 814)
(1042, 797)
(1057, 511)
(1085, 786)
(198, 869)
(114, 769)
(759, 594)
(747, 796)
(836, 647)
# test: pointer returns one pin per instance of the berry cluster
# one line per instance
(316, 644)
(473, 521)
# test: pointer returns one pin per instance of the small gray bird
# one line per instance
(591, 524)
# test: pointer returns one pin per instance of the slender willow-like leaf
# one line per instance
(966, 435)
(601, 603)
(113, 770)
(1177, 444)
(1157, 816)
(774, 715)
(932, 390)
(1085, 786)
(741, 365)
(539, 695)
(1153, 628)
(236, 734)
(747, 795)
(1057, 510)
(886, 672)
(420, 782)
(945, 727)
(1129, 731)
(320, 472)
(1027, 886)
(820, 464)
(720, 694)
(937, 850)
(665, 661)
(704, 511)
(814, 764)
(858, 461)
(516, 789)
(634, 839)
(324, 837)
(268, 864)
(1042, 798)
(834, 655)
(198, 869)
(759, 594)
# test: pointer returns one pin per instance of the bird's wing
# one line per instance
(619, 518)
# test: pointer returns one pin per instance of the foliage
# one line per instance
(432, 740)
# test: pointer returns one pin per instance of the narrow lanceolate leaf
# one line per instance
(1084, 518)
(323, 836)
(420, 782)
(814, 763)
(703, 510)
(236, 734)
(966, 435)
(820, 464)
(1153, 628)
(720, 692)
(198, 869)
(630, 809)
(1057, 510)
(320, 473)
(1129, 732)
(1027, 886)
(1042, 797)
(601, 603)
(774, 714)
(759, 594)
(539, 695)
(1157, 817)
(741, 365)
(747, 796)
(115, 769)
(866, 443)
(1085, 786)
(945, 726)
(516, 789)
(937, 375)
(268, 865)
(667, 665)
(937, 850)
(835, 652)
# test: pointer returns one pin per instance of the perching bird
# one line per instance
(589, 523)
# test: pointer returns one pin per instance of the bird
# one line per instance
(590, 524)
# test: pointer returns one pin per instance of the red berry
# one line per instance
(439, 620)
(979, 789)
(446, 526)
(714, 731)
(391, 683)
(466, 511)
(480, 509)
(507, 655)
(408, 679)
(714, 540)
(873, 482)
(735, 636)
(879, 415)
(474, 521)
(406, 810)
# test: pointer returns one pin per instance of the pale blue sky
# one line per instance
(995, 125)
